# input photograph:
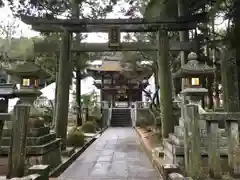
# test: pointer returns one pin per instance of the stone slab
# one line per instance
(116, 155)
(36, 150)
(33, 141)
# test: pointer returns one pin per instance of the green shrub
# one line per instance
(75, 138)
(92, 118)
(95, 120)
(89, 127)
(142, 122)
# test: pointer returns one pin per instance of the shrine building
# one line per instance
(118, 84)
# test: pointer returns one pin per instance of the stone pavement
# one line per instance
(116, 155)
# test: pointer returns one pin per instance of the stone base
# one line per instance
(51, 158)
(69, 151)
(174, 154)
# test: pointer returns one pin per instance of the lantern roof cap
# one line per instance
(194, 68)
(27, 69)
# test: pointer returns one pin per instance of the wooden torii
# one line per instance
(114, 27)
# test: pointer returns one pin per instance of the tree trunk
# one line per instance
(64, 81)
(235, 37)
(55, 100)
(165, 84)
(75, 15)
(183, 35)
(209, 83)
(216, 82)
(78, 97)
(156, 82)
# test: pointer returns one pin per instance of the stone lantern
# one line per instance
(192, 71)
(29, 74)
(42, 145)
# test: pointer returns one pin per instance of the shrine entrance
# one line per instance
(114, 28)
(121, 99)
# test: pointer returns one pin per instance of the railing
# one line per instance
(209, 140)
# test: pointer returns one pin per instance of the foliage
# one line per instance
(75, 138)
(48, 115)
(53, 8)
(142, 122)
(95, 119)
(89, 127)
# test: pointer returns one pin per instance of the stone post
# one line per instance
(229, 81)
(165, 82)
(194, 164)
(233, 148)
(214, 160)
(63, 89)
(17, 151)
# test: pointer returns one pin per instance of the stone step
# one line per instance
(33, 132)
(32, 141)
(35, 150)
(121, 117)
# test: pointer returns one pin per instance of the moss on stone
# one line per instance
(89, 127)
(75, 138)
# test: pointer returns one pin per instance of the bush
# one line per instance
(89, 127)
(75, 138)
(95, 120)
(142, 122)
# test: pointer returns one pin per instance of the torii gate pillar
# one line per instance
(63, 83)
(165, 82)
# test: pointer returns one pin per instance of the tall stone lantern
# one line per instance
(42, 145)
(192, 71)
(28, 74)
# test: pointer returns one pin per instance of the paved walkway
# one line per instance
(116, 155)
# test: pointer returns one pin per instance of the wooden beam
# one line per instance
(103, 47)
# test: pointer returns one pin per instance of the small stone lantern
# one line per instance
(192, 71)
(29, 74)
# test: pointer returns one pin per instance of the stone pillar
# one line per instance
(65, 70)
(233, 148)
(214, 160)
(194, 163)
(229, 80)
(17, 151)
(165, 82)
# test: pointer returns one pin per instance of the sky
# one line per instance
(25, 30)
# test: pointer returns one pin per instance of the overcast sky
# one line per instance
(25, 30)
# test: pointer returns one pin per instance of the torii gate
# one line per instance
(114, 27)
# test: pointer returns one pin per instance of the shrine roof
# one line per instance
(110, 66)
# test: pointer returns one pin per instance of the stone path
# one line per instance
(116, 155)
